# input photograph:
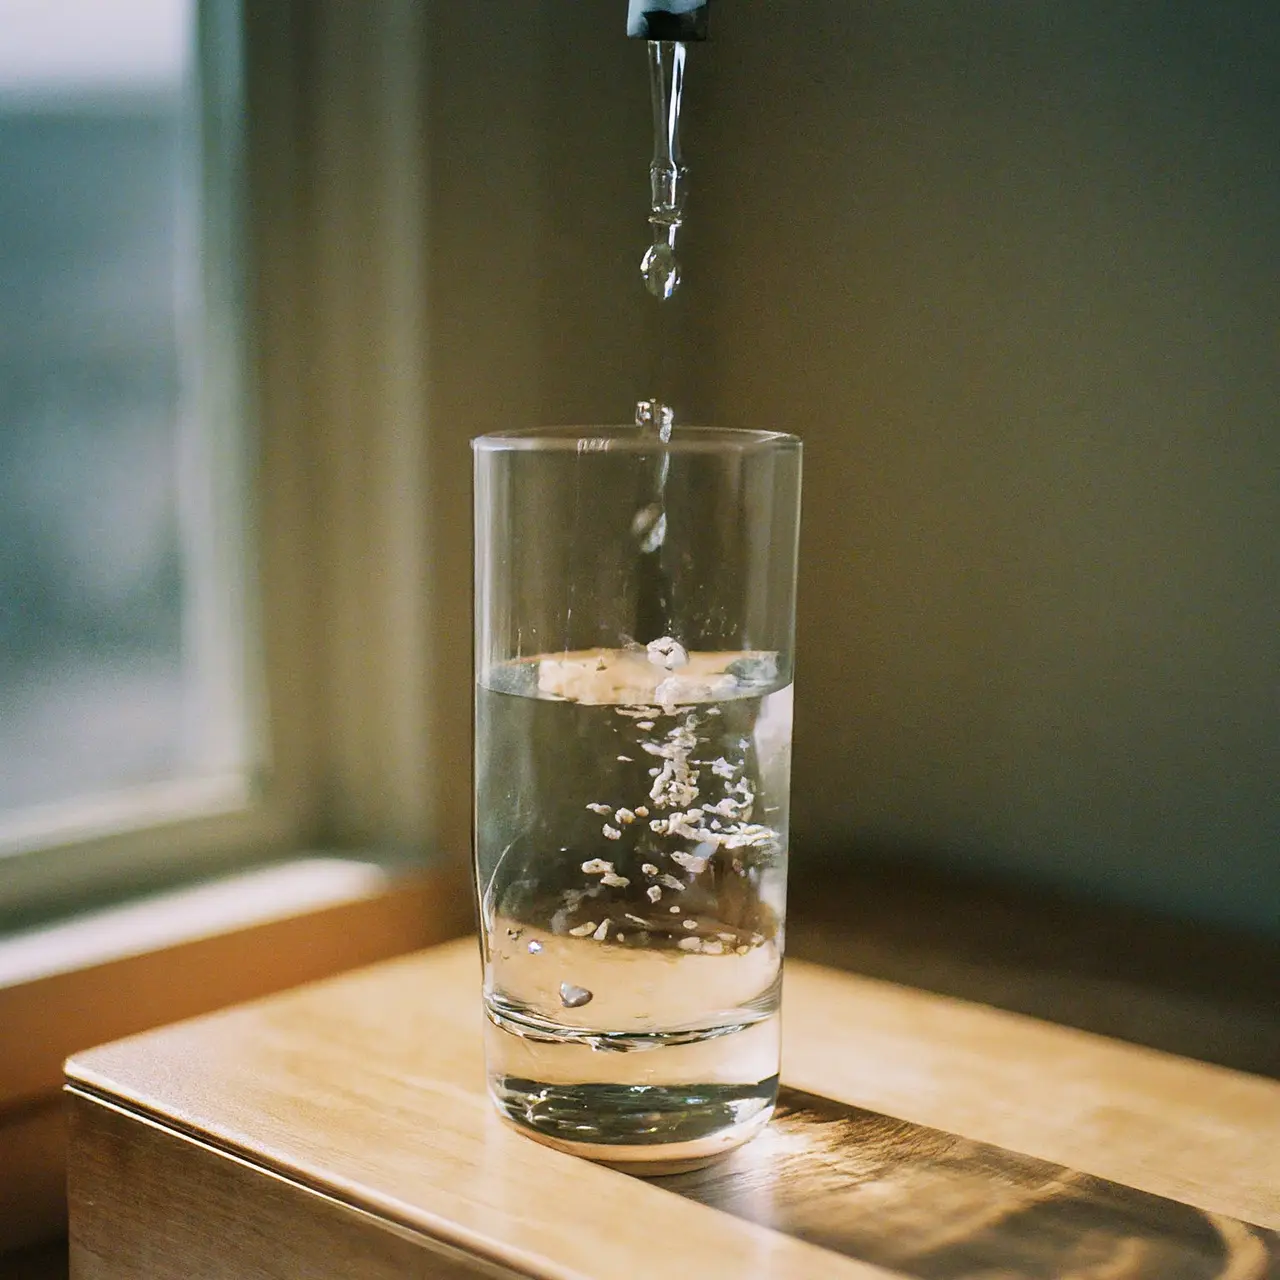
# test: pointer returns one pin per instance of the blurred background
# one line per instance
(97, 165)
(1009, 270)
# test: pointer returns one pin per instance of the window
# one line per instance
(118, 671)
(123, 578)
(215, 590)
(306, 558)
(316, 580)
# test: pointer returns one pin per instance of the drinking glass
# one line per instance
(634, 612)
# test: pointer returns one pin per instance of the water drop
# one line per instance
(574, 997)
(660, 269)
(649, 525)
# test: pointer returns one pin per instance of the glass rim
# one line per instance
(618, 438)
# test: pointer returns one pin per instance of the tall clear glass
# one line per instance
(635, 606)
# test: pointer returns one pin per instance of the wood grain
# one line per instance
(45, 1019)
(149, 1202)
(1187, 988)
(1201, 1134)
(369, 1090)
(936, 1207)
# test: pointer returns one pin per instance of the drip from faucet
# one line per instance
(660, 268)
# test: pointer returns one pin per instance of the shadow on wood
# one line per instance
(935, 1206)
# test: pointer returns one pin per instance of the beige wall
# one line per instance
(1010, 270)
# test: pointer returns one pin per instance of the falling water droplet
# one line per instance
(574, 997)
(649, 525)
(660, 269)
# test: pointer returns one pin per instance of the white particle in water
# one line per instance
(750, 835)
(690, 924)
(614, 881)
(602, 809)
(621, 937)
(641, 811)
(610, 833)
(625, 759)
(653, 893)
(669, 691)
(601, 932)
(581, 931)
(713, 948)
(671, 882)
(722, 768)
(597, 867)
(658, 826)
(640, 920)
(625, 816)
(648, 868)
(667, 653)
(726, 808)
(675, 911)
(692, 864)
(690, 944)
(535, 947)
(644, 724)
(574, 997)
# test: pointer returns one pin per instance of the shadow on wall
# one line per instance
(1010, 271)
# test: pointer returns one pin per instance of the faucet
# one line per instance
(666, 25)
(667, 20)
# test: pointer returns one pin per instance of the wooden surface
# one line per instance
(1211, 994)
(44, 1017)
(367, 1092)
(930, 1205)
(177, 1201)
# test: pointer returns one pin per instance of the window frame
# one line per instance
(338, 473)
(303, 105)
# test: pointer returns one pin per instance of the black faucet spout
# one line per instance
(669, 20)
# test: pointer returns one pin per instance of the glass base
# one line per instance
(648, 1130)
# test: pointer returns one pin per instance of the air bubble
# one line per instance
(574, 997)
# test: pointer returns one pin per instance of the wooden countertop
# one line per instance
(345, 1126)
